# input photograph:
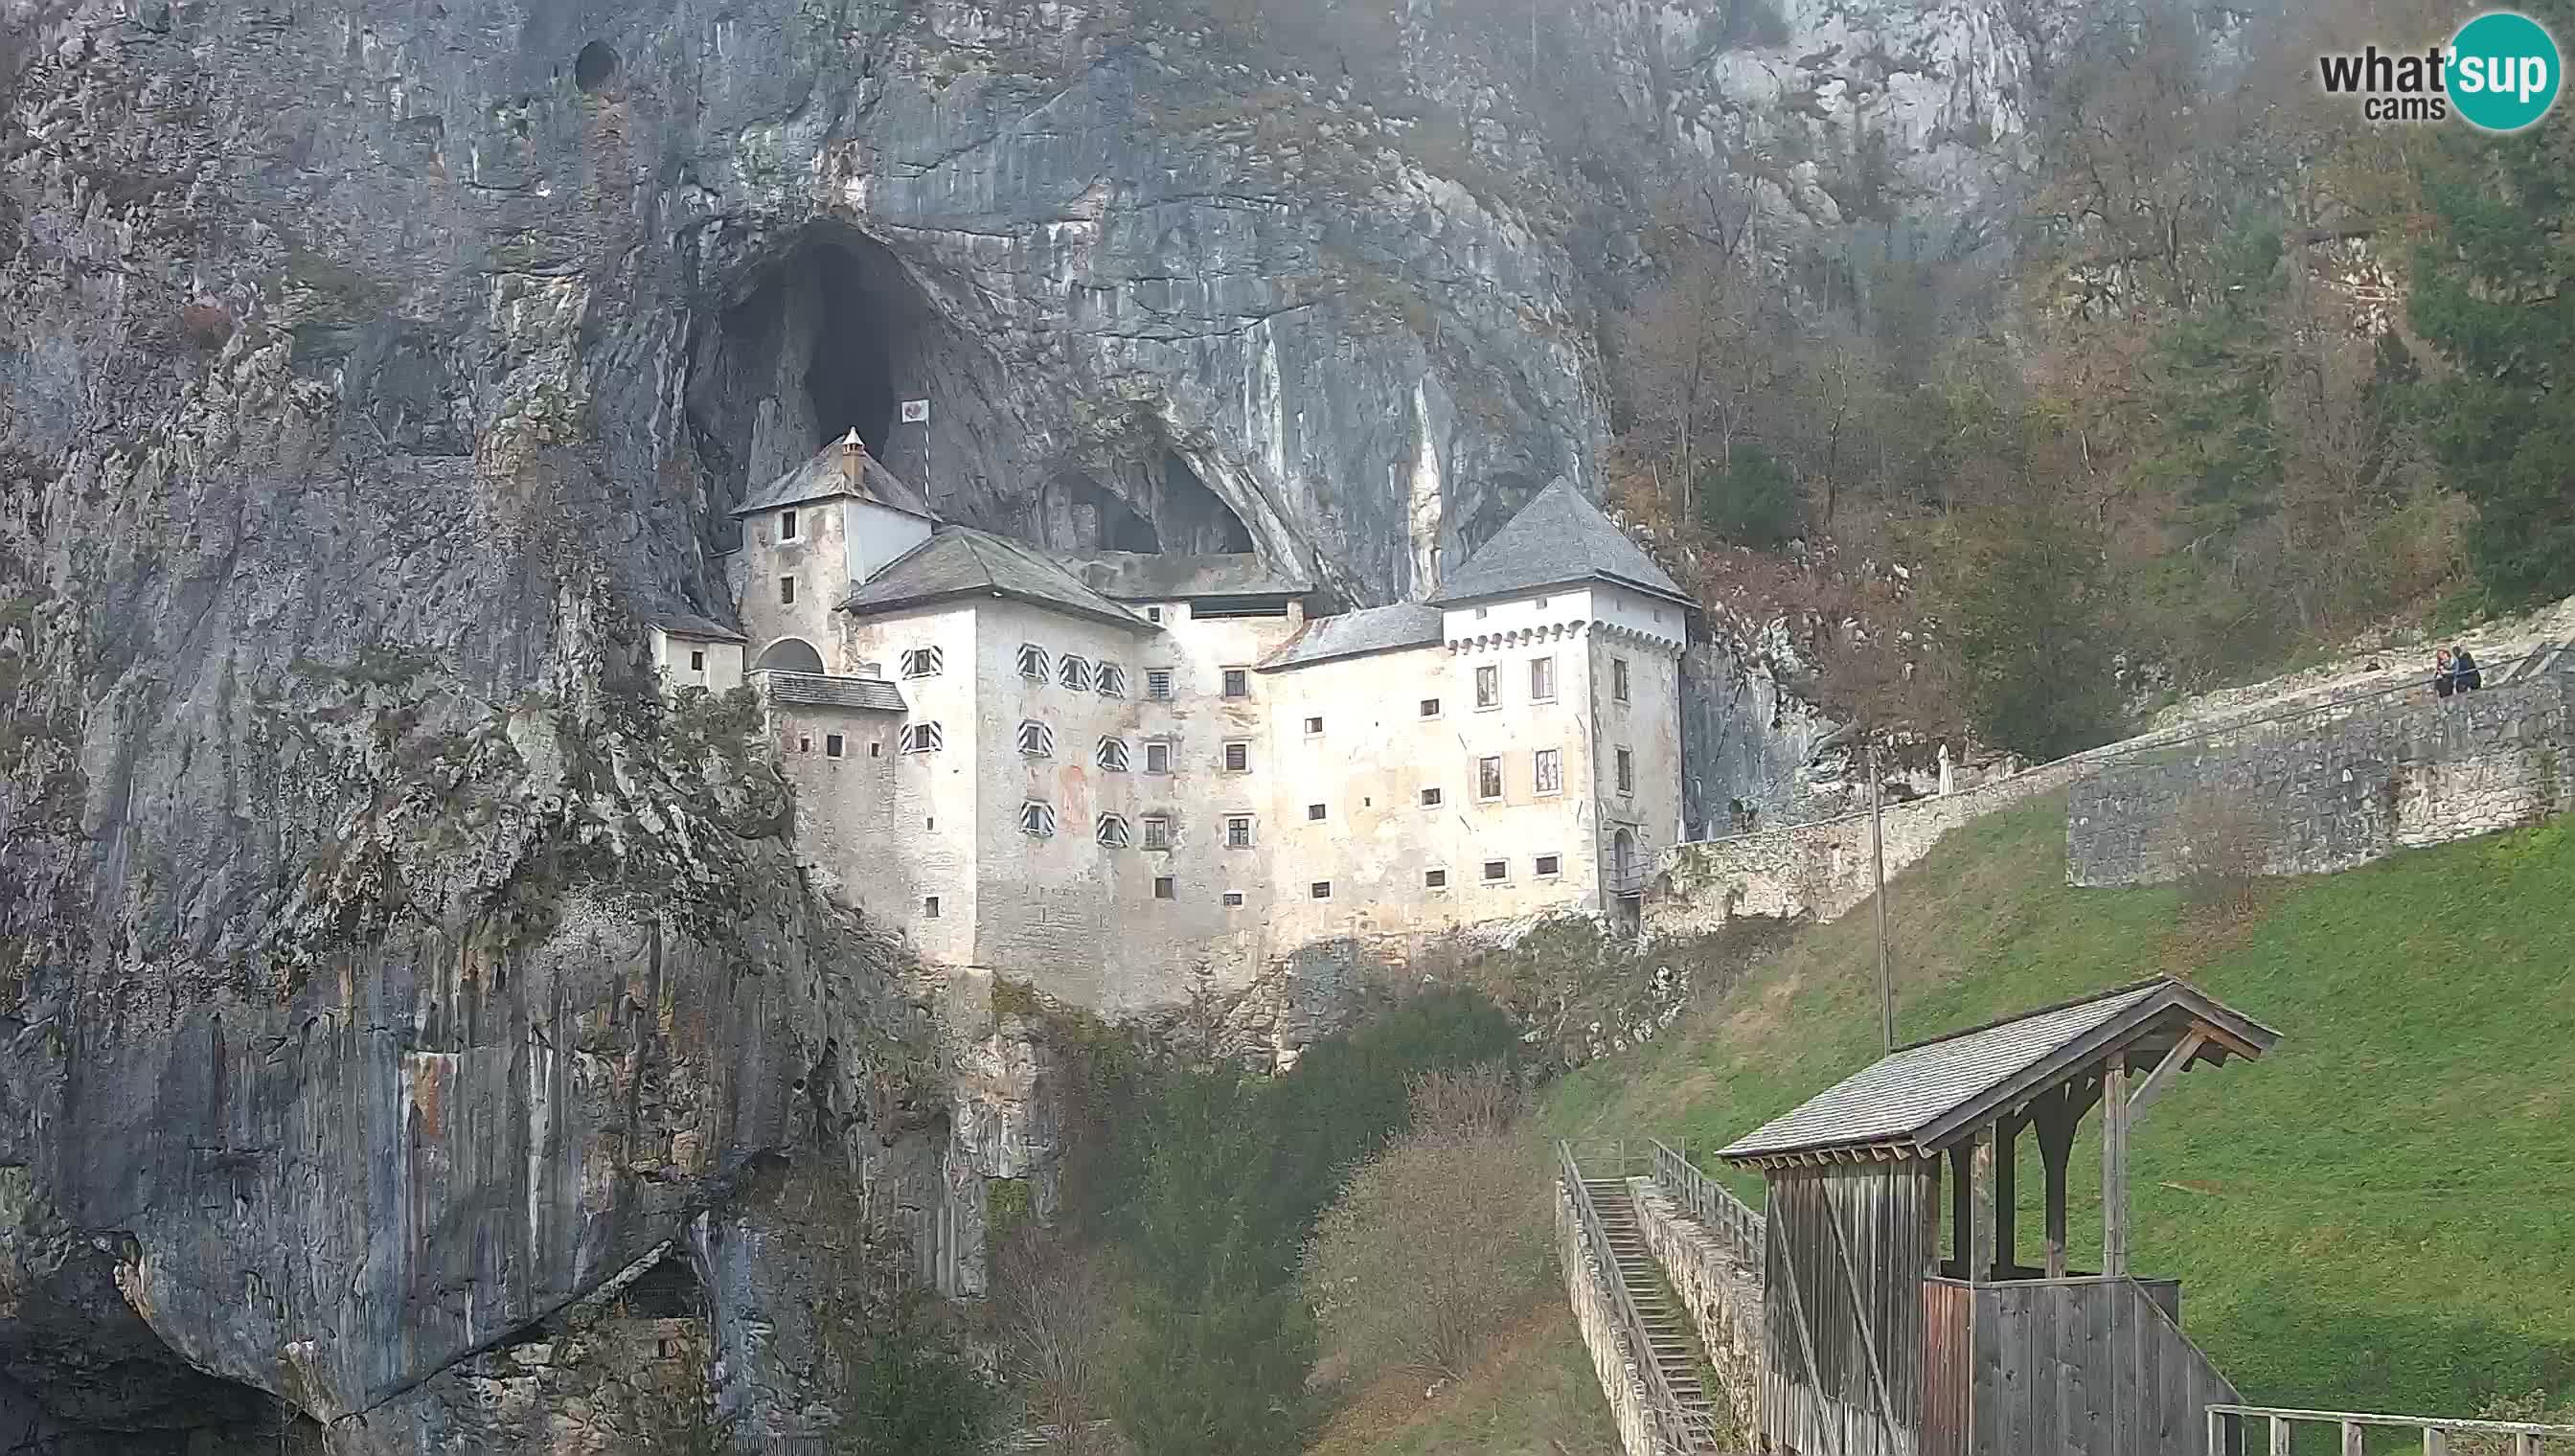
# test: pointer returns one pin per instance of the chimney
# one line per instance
(854, 454)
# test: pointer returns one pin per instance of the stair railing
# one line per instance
(1684, 1432)
(1714, 1204)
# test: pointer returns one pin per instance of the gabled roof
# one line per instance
(1557, 540)
(959, 562)
(1921, 1098)
(695, 628)
(1357, 634)
(840, 468)
(1135, 575)
(818, 690)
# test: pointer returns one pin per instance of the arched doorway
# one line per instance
(1627, 881)
(788, 655)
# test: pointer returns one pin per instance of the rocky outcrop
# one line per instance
(382, 972)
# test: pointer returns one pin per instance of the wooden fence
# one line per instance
(2091, 1367)
(2224, 1421)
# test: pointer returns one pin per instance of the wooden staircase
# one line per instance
(1674, 1339)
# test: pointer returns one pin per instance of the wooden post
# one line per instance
(2114, 1167)
(2055, 1141)
(2351, 1440)
(1877, 857)
(2436, 1442)
(2279, 1436)
(1962, 1211)
(2006, 1198)
(1980, 1260)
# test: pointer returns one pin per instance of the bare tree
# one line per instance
(1055, 1305)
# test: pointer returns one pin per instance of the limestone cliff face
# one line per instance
(382, 974)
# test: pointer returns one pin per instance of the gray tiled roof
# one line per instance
(683, 624)
(1355, 634)
(842, 467)
(814, 690)
(1909, 1096)
(1135, 576)
(960, 561)
(1558, 538)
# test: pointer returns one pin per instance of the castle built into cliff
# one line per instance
(1126, 777)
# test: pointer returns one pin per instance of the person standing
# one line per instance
(2464, 668)
(2443, 680)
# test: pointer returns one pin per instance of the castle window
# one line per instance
(1237, 831)
(1032, 662)
(876, 747)
(1618, 679)
(1166, 887)
(1542, 679)
(1111, 832)
(1313, 728)
(1489, 778)
(1112, 680)
(1480, 614)
(1237, 757)
(1431, 799)
(1037, 820)
(785, 525)
(1320, 889)
(1550, 771)
(1488, 686)
(929, 907)
(1430, 708)
(1497, 870)
(787, 590)
(1233, 896)
(1158, 684)
(1158, 755)
(804, 743)
(1112, 755)
(1548, 866)
(1626, 771)
(1152, 614)
(1075, 673)
(833, 746)
(1037, 740)
(1238, 682)
(1434, 879)
(1541, 603)
(697, 662)
(921, 738)
(1314, 813)
(923, 662)
(1157, 831)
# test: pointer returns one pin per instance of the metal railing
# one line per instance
(2436, 1432)
(1711, 1203)
(1684, 1432)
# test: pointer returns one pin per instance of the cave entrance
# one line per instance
(848, 373)
(1157, 503)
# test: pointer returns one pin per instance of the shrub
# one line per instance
(205, 326)
(917, 1393)
(1754, 501)
(2225, 850)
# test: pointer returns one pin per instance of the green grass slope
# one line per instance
(2380, 1215)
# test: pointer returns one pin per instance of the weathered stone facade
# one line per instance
(2332, 788)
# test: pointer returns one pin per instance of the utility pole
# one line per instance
(1878, 854)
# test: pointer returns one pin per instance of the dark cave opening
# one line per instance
(666, 1290)
(1158, 504)
(595, 67)
(849, 378)
(1199, 512)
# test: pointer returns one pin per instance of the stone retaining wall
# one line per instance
(1722, 1296)
(2329, 791)
(1595, 1311)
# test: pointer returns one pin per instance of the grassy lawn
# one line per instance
(2380, 1215)
(1535, 1395)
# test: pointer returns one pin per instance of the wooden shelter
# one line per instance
(1882, 1343)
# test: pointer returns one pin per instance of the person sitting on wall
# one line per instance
(2443, 676)
(2464, 668)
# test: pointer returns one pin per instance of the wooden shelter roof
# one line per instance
(1918, 1100)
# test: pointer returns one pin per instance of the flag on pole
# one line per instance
(916, 412)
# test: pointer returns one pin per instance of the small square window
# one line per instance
(1237, 757)
(1158, 684)
(1166, 888)
(804, 743)
(1313, 728)
(1497, 870)
(1074, 674)
(1157, 831)
(1112, 680)
(876, 747)
(1313, 811)
(787, 590)
(1430, 708)
(1152, 614)
(1541, 603)
(1618, 679)
(1158, 755)
(1111, 832)
(1488, 686)
(1434, 879)
(1233, 896)
(1037, 819)
(1238, 682)
(1320, 889)
(697, 662)
(1480, 614)
(1237, 831)
(785, 525)
(833, 745)
(1548, 866)
(1033, 662)
(1431, 799)
(1489, 778)
(922, 663)
(929, 907)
